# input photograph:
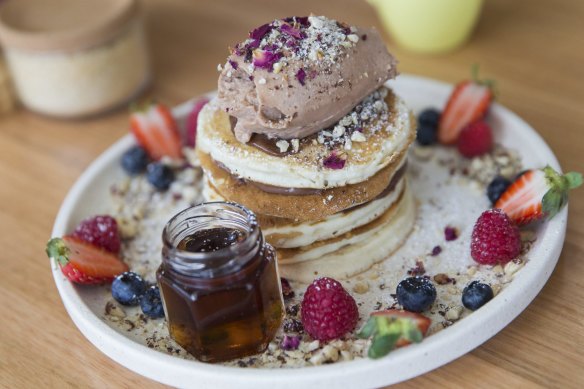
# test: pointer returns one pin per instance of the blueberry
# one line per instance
(496, 188)
(429, 117)
(151, 303)
(475, 295)
(160, 175)
(416, 294)
(127, 288)
(426, 135)
(134, 161)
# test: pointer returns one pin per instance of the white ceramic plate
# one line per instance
(87, 196)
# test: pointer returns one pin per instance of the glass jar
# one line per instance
(219, 282)
(71, 58)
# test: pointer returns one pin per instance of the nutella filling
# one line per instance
(310, 191)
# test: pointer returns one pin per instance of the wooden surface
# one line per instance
(533, 48)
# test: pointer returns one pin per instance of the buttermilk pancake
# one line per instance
(305, 133)
(293, 184)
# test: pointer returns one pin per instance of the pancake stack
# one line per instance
(315, 145)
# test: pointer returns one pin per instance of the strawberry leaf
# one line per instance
(369, 329)
(57, 250)
(387, 331)
(382, 345)
(573, 179)
(557, 196)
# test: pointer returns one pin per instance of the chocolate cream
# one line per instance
(310, 191)
(296, 76)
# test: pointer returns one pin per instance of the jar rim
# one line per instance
(217, 262)
(39, 25)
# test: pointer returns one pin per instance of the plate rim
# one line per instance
(400, 365)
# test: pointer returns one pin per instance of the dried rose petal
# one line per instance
(303, 20)
(289, 30)
(301, 76)
(334, 161)
(233, 64)
(238, 50)
(290, 342)
(287, 291)
(450, 233)
(436, 250)
(192, 120)
(265, 59)
(254, 44)
(292, 43)
(260, 32)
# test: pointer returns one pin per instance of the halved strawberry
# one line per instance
(393, 328)
(467, 104)
(536, 194)
(84, 263)
(192, 122)
(156, 131)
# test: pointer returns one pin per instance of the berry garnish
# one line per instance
(135, 160)
(101, 231)
(160, 175)
(84, 263)
(127, 288)
(475, 139)
(151, 303)
(467, 104)
(393, 328)
(537, 193)
(495, 238)
(156, 131)
(496, 188)
(193, 119)
(328, 311)
(429, 117)
(416, 294)
(475, 295)
(426, 135)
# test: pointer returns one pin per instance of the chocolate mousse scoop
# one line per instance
(296, 76)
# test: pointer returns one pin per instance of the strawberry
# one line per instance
(393, 328)
(475, 139)
(156, 131)
(192, 121)
(84, 263)
(467, 104)
(536, 194)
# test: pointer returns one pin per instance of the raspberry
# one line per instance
(475, 139)
(328, 311)
(495, 239)
(101, 231)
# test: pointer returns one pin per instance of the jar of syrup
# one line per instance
(219, 282)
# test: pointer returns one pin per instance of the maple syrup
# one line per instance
(219, 282)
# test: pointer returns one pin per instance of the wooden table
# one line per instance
(533, 48)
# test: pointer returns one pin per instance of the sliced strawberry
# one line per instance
(468, 103)
(84, 263)
(393, 328)
(536, 194)
(156, 131)
(192, 122)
